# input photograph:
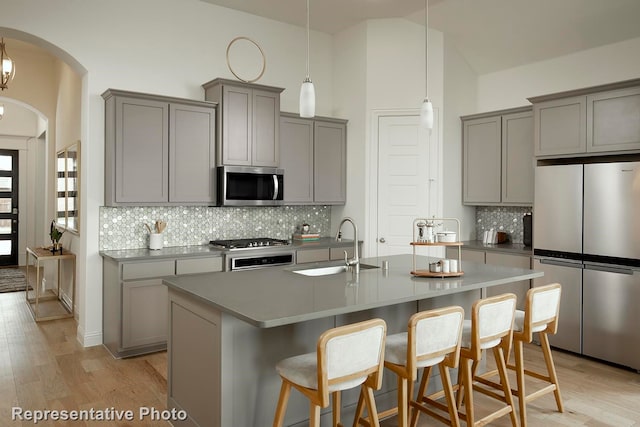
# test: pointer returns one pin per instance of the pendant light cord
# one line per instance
(307, 39)
(426, 48)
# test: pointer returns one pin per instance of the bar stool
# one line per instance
(540, 315)
(432, 338)
(346, 357)
(490, 327)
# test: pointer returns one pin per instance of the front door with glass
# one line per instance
(8, 207)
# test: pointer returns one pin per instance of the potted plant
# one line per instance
(55, 235)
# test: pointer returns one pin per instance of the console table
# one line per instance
(49, 304)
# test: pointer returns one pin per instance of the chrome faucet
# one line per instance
(353, 263)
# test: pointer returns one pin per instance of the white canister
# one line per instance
(155, 241)
(453, 265)
(445, 265)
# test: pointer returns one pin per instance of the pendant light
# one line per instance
(1, 111)
(307, 91)
(426, 111)
(7, 67)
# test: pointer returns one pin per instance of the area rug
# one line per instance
(12, 279)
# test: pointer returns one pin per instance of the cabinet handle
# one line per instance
(382, 240)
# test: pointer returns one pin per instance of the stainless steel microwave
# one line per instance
(250, 186)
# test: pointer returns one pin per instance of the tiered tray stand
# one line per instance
(415, 243)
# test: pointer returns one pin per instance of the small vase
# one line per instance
(56, 247)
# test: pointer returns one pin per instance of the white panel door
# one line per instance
(407, 168)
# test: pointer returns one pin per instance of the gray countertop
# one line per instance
(208, 250)
(511, 248)
(277, 296)
(168, 252)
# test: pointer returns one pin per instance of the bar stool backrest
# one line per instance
(542, 308)
(494, 320)
(437, 335)
(350, 355)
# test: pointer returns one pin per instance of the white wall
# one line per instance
(606, 64)
(380, 65)
(137, 51)
(460, 89)
(350, 97)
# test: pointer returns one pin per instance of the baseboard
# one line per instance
(88, 339)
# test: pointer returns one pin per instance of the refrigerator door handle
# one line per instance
(608, 268)
(564, 263)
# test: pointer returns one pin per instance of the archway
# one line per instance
(49, 83)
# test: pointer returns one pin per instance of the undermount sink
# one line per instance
(326, 271)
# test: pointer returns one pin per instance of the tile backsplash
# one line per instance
(501, 218)
(123, 228)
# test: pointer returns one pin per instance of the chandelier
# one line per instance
(7, 66)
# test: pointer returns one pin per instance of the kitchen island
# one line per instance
(228, 330)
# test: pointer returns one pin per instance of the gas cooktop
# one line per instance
(260, 242)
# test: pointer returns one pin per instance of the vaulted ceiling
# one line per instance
(491, 34)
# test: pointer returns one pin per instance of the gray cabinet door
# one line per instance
(519, 288)
(192, 154)
(140, 163)
(237, 126)
(265, 149)
(330, 162)
(144, 313)
(559, 126)
(296, 158)
(613, 120)
(517, 158)
(482, 160)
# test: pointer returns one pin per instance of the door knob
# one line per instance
(381, 240)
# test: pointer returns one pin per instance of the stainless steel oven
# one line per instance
(250, 186)
(247, 254)
(253, 260)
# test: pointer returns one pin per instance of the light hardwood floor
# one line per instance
(42, 366)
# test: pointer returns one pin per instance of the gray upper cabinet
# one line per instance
(248, 122)
(296, 158)
(614, 120)
(158, 150)
(192, 154)
(482, 145)
(498, 158)
(560, 126)
(313, 156)
(517, 158)
(598, 120)
(330, 162)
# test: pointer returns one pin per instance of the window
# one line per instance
(68, 188)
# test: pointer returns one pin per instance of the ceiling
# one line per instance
(491, 34)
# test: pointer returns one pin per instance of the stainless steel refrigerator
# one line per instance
(586, 235)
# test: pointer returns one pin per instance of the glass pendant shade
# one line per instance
(426, 114)
(8, 69)
(307, 99)
(1, 111)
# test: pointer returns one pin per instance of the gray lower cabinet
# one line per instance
(158, 150)
(598, 120)
(502, 259)
(135, 301)
(248, 122)
(498, 162)
(304, 256)
(313, 155)
(519, 288)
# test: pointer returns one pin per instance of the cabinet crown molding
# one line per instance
(221, 81)
(109, 93)
(585, 91)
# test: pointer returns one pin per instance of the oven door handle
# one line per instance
(276, 187)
